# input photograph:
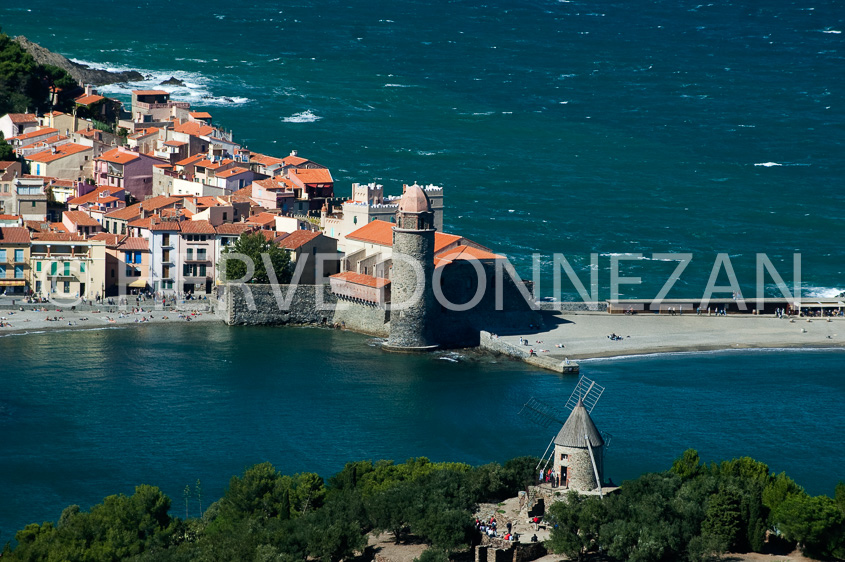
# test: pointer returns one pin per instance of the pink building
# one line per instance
(121, 167)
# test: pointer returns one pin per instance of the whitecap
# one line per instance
(768, 164)
(398, 86)
(822, 292)
(307, 116)
(834, 31)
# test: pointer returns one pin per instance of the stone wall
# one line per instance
(491, 343)
(303, 309)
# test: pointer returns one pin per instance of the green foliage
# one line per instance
(255, 247)
(688, 465)
(116, 529)
(7, 152)
(815, 523)
(25, 85)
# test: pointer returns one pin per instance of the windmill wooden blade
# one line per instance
(588, 392)
(541, 413)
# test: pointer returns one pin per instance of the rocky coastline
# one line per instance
(80, 72)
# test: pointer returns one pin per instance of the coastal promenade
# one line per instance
(584, 335)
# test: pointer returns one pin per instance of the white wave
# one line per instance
(768, 164)
(822, 292)
(726, 351)
(398, 86)
(834, 31)
(307, 116)
(196, 91)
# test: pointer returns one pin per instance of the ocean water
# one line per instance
(555, 127)
(84, 414)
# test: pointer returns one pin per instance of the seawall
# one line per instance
(300, 304)
(493, 343)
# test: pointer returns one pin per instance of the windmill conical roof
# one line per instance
(578, 424)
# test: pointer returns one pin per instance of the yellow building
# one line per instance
(14, 260)
(67, 266)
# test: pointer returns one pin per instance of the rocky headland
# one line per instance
(80, 72)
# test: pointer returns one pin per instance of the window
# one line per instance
(201, 254)
(33, 204)
(112, 273)
(67, 269)
(165, 256)
(82, 267)
(2, 271)
(165, 271)
(165, 240)
(54, 266)
(186, 270)
(129, 272)
(225, 214)
(202, 270)
(3, 255)
(563, 456)
(354, 220)
(18, 272)
(67, 287)
(18, 255)
(190, 254)
(38, 266)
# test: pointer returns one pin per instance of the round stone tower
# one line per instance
(579, 452)
(411, 293)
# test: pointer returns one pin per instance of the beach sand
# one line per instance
(584, 335)
(35, 322)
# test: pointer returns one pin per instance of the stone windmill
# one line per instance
(578, 448)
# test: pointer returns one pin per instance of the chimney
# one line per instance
(293, 153)
(52, 150)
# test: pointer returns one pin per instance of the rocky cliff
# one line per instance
(80, 72)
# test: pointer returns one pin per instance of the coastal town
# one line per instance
(90, 214)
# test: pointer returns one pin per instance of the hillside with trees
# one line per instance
(25, 85)
(691, 512)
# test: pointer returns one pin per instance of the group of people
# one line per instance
(550, 476)
(615, 337)
(489, 528)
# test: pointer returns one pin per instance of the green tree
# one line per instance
(815, 523)
(254, 248)
(7, 152)
(724, 520)
(688, 465)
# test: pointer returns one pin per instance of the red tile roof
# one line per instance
(143, 223)
(190, 159)
(463, 252)
(47, 156)
(118, 156)
(194, 129)
(231, 172)
(262, 219)
(9, 217)
(275, 184)
(80, 218)
(174, 143)
(150, 93)
(23, 118)
(36, 225)
(135, 243)
(57, 237)
(361, 279)
(93, 196)
(294, 160)
(168, 225)
(197, 227)
(265, 160)
(126, 214)
(375, 232)
(200, 115)
(111, 240)
(312, 175)
(88, 100)
(33, 134)
(14, 235)
(237, 228)
(298, 238)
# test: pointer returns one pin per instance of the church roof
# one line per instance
(414, 200)
(578, 424)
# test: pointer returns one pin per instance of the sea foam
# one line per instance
(307, 116)
(197, 88)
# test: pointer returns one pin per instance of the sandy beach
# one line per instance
(16, 322)
(584, 335)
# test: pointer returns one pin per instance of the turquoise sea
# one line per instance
(554, 126)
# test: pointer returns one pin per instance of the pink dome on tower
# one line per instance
(414, 200)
